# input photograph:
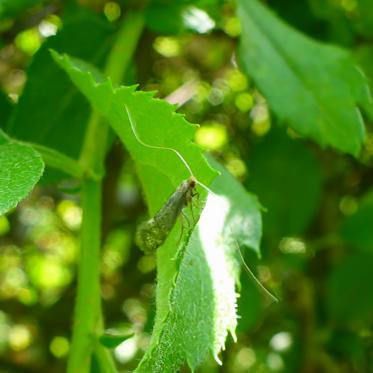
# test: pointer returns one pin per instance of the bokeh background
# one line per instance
(318, 225)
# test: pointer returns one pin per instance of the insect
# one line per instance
(152, 233)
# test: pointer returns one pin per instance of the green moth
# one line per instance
(152, 233)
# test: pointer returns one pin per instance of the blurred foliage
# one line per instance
(317, 224)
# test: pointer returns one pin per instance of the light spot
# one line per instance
(211, 136)
(147, 263)
(292, 245)
(244, 102)
(167, 46)
(4, 225)
(112, 11)
(237, 167)
(216, 96)
(275, 362)
(232, 26)
(126, 350)
(19, 337)
(70, 213)
(236, 80)
(197, 20)
(47, 29)
(29, 41)
(348, 205)
(59, 346)
(281, 341)
(245, 358)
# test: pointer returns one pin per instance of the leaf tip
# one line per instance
(55, 55)
(217, 359)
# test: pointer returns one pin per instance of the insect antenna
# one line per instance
(134, 130)
(254, 278)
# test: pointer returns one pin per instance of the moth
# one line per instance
(152, 233)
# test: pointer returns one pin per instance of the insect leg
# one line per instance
(185, 216)
(195, 194)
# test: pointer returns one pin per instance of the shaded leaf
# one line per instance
(365, 17)
(357, 229)
(289, 68)
(51, 111)
(287, 179)
(112, 340)
(12, 8)
(349, 289)
(178, 17)
(5, 109)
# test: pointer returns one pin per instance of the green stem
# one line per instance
(52, 157)
(88, 302)
(88, 320)
(116, 67)
(59, 161)
(104, 359)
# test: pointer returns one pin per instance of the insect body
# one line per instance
(152, 233)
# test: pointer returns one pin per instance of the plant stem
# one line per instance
(116, 67)
(104, 359)
(59, 161)
(88, 320)
(88, 303)
(53, 158)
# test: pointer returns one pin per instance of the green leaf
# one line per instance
(313, 87)
(5, 108)
(196, 297)
(250, 305)
(165, 18)
(365, 17)
(178, 17)
(364, 56)
(357, 229)
(349, 289)
(160, 171)
(199, 294)
(4, 138)
(12, 8)
(51, 111)
(293, 193)
(20, 169)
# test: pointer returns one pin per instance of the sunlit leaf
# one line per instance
(202, 298)
(161, 171)
(313, 87)
(196, 297)
(20, 169)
